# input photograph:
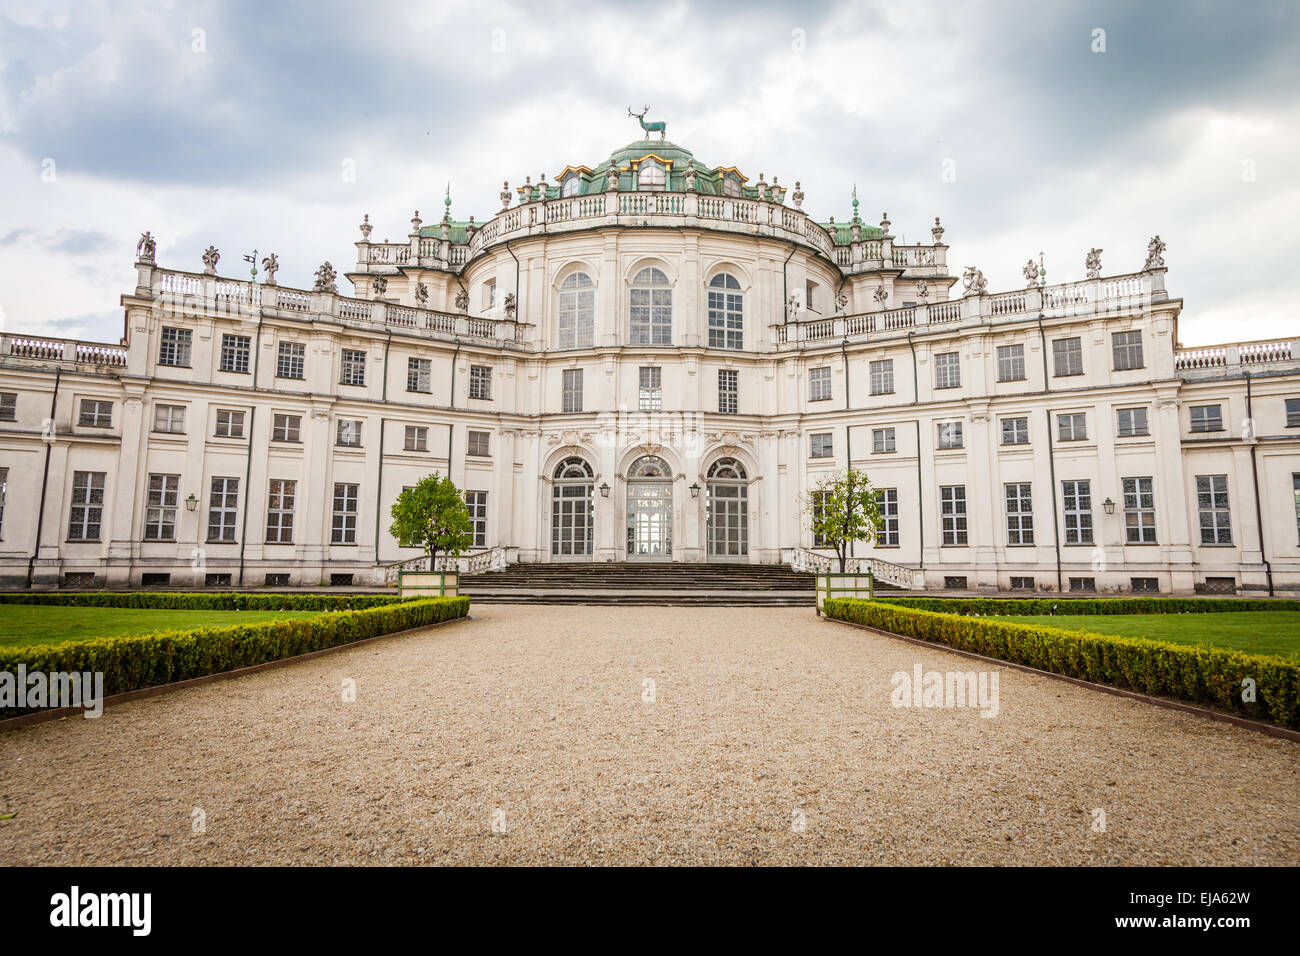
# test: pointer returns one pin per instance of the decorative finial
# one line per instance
(416, 221)
(855, 202)
(252, 260)
(365, 226)
(884, 223)
(446, 203)
(505, 194)
(937, 232)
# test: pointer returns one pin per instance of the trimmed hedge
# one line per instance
(1154, 605)
(164, 657)
(1202, 675)
(205, 601)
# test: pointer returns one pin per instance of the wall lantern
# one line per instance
(1109, 506)
(604, 490)
(191, 502)
(695, 490)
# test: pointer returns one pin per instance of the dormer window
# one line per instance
(731, 187)
(571, 185)
(650, 175)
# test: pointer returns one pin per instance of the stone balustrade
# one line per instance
(1215, 360)
(1091, 296)
(212, 294)
(653, 208)
(42, 349)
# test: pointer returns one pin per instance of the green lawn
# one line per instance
(52, 623)
(1255, 632)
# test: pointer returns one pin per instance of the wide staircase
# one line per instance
(632, 583)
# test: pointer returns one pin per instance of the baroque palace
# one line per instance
(652, 359)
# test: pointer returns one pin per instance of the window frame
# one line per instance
(228, 507)
(571, 387)
(174, 344)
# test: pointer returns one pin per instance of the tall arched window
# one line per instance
(650, 175)
(651, 315)
(577, 312)
(727, 515)
(572, 515)
(571, 184)
(726, 313)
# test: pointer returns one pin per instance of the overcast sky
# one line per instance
(230, 124)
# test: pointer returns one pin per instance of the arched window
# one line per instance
(571, 185)
(577, 318)
(650, 466)
(731, 187)
(650, 175)
(572, 514)
(650, 320)
(727, 469)
(726, 313)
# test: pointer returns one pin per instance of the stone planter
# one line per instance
(429, 583)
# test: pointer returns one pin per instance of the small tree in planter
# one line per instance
(843, 509)
(433, 516)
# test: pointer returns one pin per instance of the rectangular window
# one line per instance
(169, 418)
(230, 423)
(1067, 356)
(1015, 431)
(1127, 350)
(819, 384)
(821, 445)
(480, 382)
(4, 489)
(291, 362)
(8, 406)
(810, 295)
(353, 367)
(343, 528)
(223, 507)
(1212, 505)
(726, 314)
(160, 507)
(1022, 583)
(286, 428)
(1011, 363)
(818, 506)
(954, 582)
(478, 444)
(882, 377)
(87, 505)
(489, 295)
(96, 414)
(1292, 413)
(1207, 418)
(1077, 497)
(1072, 427)
(476, 502)
(236, 351)
(1083, 584)
(1144, 584)
(174, 347)
(887, 501)
(650, 393)
(419, 375)
(882, 441)
(279, 510)
(417, 438)
(728, 391)
(1020, 514)
(947, 370)
(950, 435)
(571, 390)
(952, 513)
(348, 433)
(1139, 510)
(1295, 493)
(1132, 421)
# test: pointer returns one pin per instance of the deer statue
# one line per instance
(660, 127)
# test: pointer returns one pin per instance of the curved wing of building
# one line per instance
(652, 359)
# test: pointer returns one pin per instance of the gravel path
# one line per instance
(534, 718)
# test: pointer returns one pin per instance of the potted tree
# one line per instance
(432, 515)
(843, 508)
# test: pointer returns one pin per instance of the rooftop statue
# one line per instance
(973, 281)
(272, 265)
(146, 247)
(210, 257)
(325, 277)
(659, 127)
(1155, 253)
(1092, 263)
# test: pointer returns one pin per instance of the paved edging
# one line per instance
(1272, 730)
(40, 716)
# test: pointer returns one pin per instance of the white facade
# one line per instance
(715, 330)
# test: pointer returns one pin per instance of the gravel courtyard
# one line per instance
(769, 738)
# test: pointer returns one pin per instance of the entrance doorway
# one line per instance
(650, 510)
(727, 512)
(572, 514)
